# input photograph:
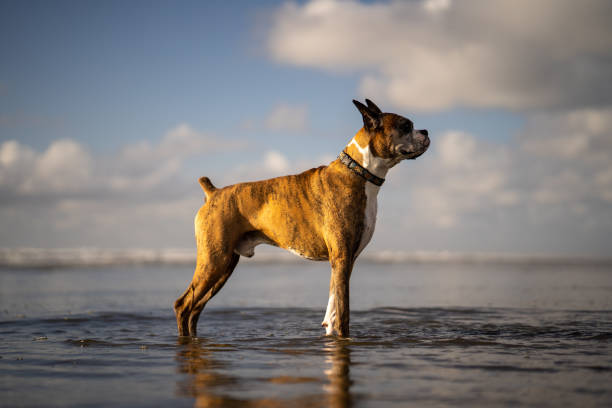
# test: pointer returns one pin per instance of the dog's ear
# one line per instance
(372, 106)
(371, 119)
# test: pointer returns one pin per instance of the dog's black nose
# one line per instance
(424, 131)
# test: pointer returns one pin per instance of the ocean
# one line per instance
(423, 334)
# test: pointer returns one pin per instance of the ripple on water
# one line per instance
(245, 356)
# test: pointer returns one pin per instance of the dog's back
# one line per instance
(291, 212)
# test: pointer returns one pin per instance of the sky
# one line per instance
(110, 112)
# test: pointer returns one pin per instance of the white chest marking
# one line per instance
(374, 164)
(369, 219)
(379, 167)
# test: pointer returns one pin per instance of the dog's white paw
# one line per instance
(330, 316)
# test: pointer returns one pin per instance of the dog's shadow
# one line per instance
(208, 377)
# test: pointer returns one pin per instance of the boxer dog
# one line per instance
(327, 213)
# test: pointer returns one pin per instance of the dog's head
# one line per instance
(390, 136)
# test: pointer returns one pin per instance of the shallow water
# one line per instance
(421, 335)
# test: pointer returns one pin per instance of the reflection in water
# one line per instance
(338, 373)
(214, 381)
(195, 359)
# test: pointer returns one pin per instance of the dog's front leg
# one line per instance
(337, 315)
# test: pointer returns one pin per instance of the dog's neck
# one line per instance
(359, 149)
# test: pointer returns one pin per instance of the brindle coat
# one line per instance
(319, 214)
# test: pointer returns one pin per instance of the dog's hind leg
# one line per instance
(181, 310)
(209, 277)
(213, 284)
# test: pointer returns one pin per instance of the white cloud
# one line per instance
(64, 166)
(572, 151)
(437, 54)
(144, 165)
(16, 163)
(275, 162)
(66, 195)
(67, 167)
(584, 134)
(557, 173)
(179, 142)
(436, 6)
(463, 176)
(286, 117)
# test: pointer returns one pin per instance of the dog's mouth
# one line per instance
(410, 154)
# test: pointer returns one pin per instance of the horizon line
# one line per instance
(27, 257)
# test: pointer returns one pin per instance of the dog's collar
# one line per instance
(349, 162)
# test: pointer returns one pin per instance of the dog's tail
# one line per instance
(207, 186)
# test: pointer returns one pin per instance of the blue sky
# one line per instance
(107, 72)
(258, 89)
